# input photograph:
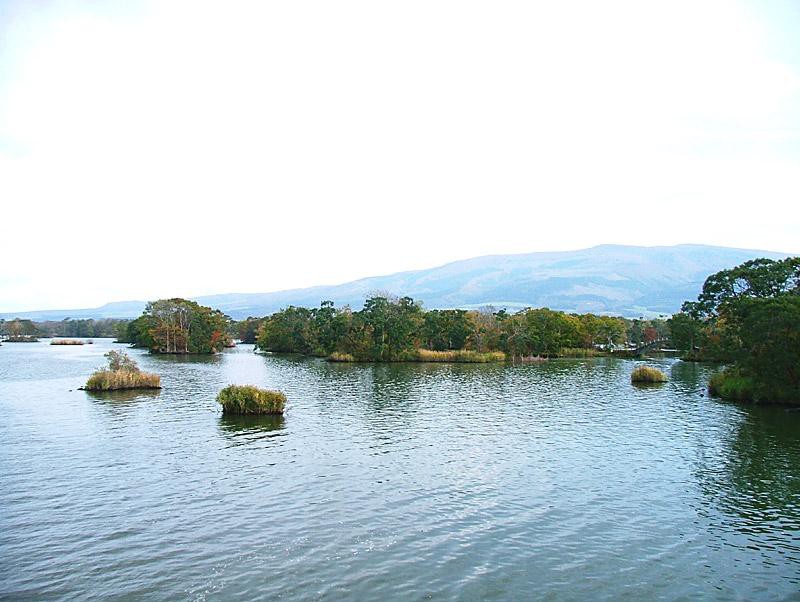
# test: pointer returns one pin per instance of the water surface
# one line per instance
(405, 481)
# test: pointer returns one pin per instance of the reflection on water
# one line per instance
(556, 480)
(645, 385)
(237, 426)
(691, 376)
(757, 483)
(182, 359)
(124, 395)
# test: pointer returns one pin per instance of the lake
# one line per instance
(555, 481)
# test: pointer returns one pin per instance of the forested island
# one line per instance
(179, 326)
(390, 329)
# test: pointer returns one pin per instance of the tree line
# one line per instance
(108, 327)
(393, 329)
(749, 318)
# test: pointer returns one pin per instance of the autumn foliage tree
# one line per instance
(179, 326)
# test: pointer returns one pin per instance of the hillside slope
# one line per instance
(613, 279)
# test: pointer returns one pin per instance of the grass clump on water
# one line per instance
(121, 373)
(247, 399)
(460, 356)
(111, 380)
(66, 342)
(648, 374)
(580, 352)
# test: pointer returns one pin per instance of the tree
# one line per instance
(288, 331)
(486, 333)
(685, 331)
(446, 329)
(750, 317)
(393, 325)
(246, 330)
(610, 331)
(756, 279)
(770, 346)
(20, 328)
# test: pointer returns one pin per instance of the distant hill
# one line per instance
(609, 279)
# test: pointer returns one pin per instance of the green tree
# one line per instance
(288, 331)
(750, 318)
(770, 346)
(757, 279)
(446, 329)
(393, 325)
(685, 331)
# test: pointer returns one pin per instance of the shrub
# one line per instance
(119, 360)
(731, 385)
(460, 356)
(735, 384)
(647, 374)
(66, 342)
(341, 357)
(113, 380)
(247, 399)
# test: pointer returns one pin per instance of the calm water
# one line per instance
(394, 482)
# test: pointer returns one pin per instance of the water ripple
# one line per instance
(555, 480)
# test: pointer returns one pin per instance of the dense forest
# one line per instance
(749, 318)
(179, 326)
(395, 329)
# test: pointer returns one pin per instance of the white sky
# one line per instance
(185, 148)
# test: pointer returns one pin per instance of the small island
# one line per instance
(247, 399)
(179, 326)
(121, 373)
(648, 375)
(66, 342)
(18, 331)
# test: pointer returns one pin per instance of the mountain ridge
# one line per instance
(608, 279)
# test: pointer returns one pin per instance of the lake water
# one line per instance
(555, 481)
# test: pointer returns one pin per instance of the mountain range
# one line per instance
(607, 279)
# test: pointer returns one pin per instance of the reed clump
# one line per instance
(121, 373)
(648, 374)
(336, 356)
(460, 356)
(731, 385)
(580, 352)
(66, 342)
(115, 380)
(248, 399)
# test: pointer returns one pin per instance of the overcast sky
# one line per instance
(184, 148)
